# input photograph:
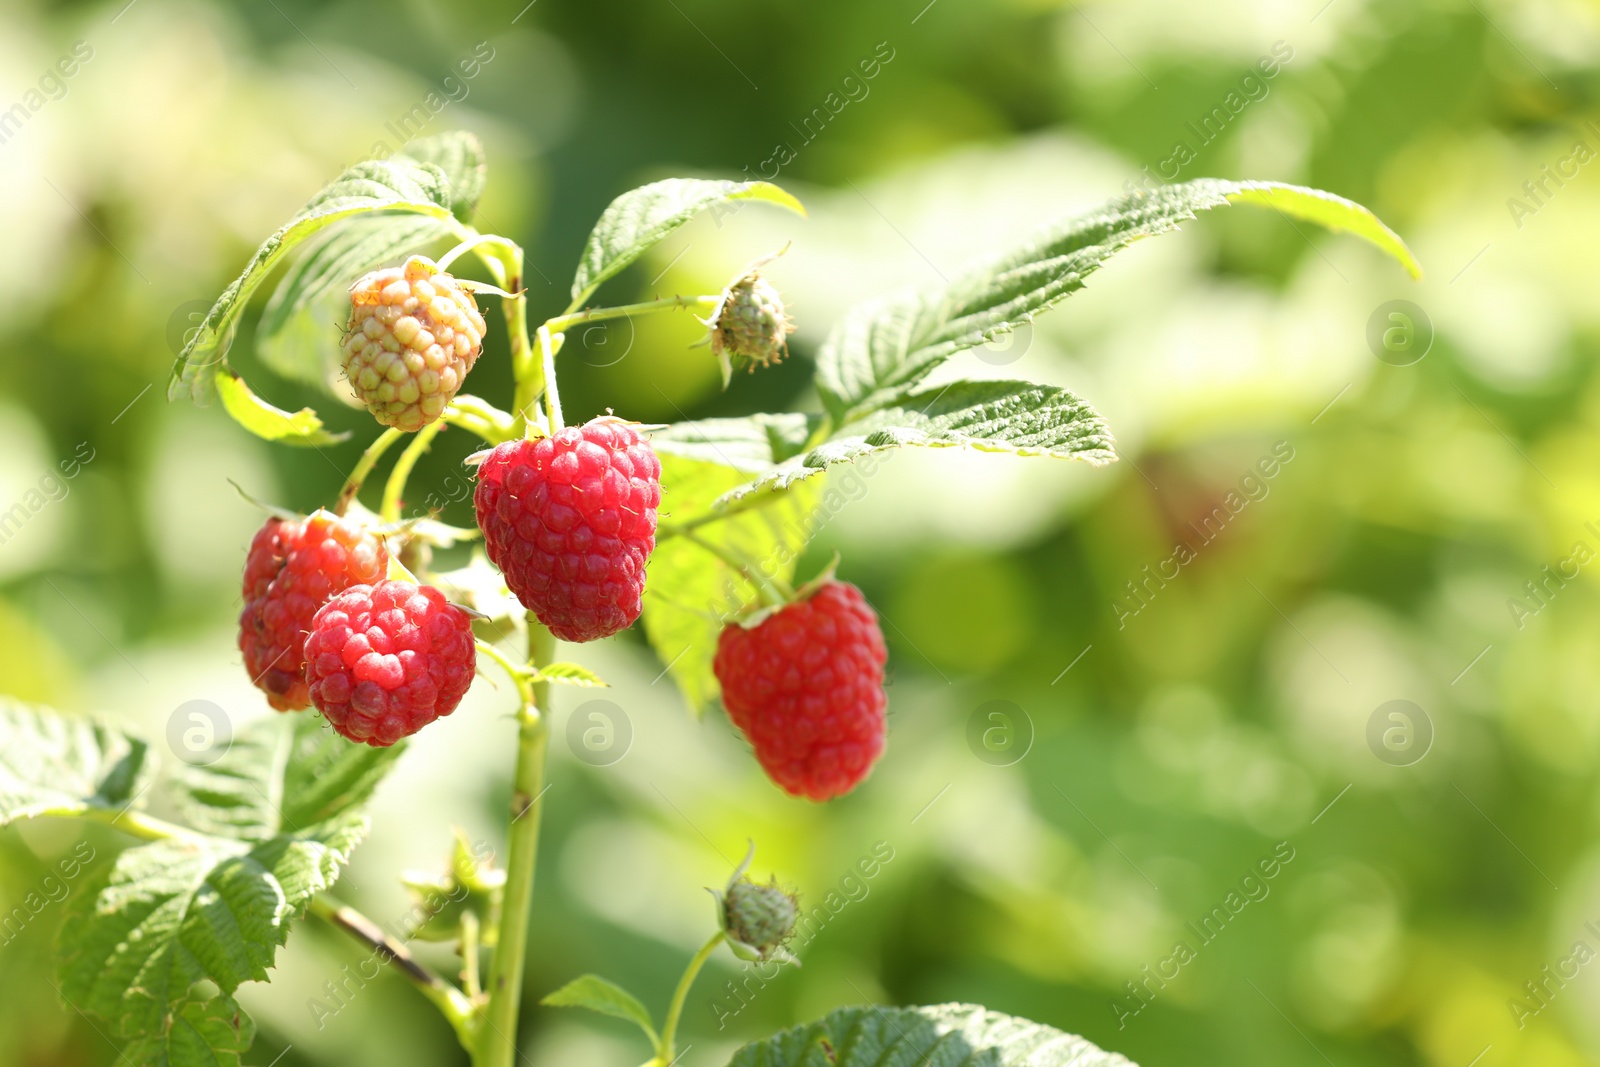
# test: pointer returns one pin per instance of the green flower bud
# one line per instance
(440, 901)
(758, 918)
(761, 916)
(751, 323)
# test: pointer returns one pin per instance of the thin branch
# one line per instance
(563, 323)
(455, 1005)
(390, 511)
(369, 459)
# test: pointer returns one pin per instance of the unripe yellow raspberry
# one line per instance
(414, 333)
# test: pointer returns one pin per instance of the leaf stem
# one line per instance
(526, 370)
(519, 675)
(473, 241)
(497, 1040)
(138, 824)
(392, 490)
(552, 396)
(667, 1051)
(473, 424)
(454, 1004)
(470, 979)
(504, 258)
(751, 502)
(563, 323)
(476, 415)
(363, 467)
(775, 592)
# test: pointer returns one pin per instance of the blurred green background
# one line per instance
(1156, 755)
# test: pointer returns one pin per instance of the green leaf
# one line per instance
(1021, 418)
(295, 336)
(570, 674)
(597, 994)
(54, 764)
(282, 774)
(176, 912)
(298, 335)
(945, 1035)
(398, 184)
(691, 593)
(459, 155)
(202, 1033)
(1329, 211)
(281, 806)
(753, 443)
(639, 218)
(302, 427)
(888, 344)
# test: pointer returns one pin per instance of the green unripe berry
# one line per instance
(756, 918)
(751, 322)
(760, 916)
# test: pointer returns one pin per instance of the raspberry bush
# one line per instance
(590, 528)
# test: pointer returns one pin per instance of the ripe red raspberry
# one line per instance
(571, 521)
(806, 687)
(385, 660)
(292, 569)
(414, 333)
